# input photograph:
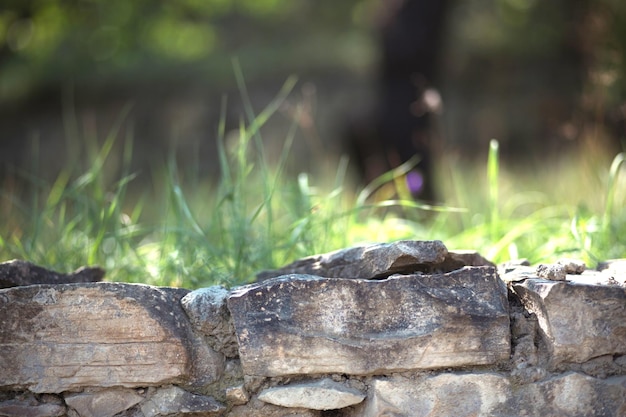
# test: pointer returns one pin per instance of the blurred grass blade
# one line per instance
(492, 180)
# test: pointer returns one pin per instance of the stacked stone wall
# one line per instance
(402, 329)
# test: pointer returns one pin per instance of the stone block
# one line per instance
(444, 395)
(577, 321)
(56, 338)
(302, 324)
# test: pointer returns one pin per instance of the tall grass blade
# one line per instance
(493, 166)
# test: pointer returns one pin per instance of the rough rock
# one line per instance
(17, 273)
(578, 321)
(56, 338)
(571, 394)
(459, 258)
(324, 394)
(209, 315)
(437, 396)
(28, 406)
(176, 401)
(368, 262)
(258, 408)
(491, 394)
(303, 324)
(104, 403)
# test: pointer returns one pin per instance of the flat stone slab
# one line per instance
(302, 324)
(367, 262)
(56, 338)
(324, 394)
(578, 321)
(492, 394)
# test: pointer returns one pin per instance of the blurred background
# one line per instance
(378, 80)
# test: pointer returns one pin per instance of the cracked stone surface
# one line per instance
(56, 338)
(302, 324)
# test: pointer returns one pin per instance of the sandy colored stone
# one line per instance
(56, 338)
(443, 395)
(302, 324)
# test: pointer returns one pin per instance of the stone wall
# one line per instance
(402, 329)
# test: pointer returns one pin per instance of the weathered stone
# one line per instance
(176, 401)
(578, 321)
(29, 406)
(56, 338)
(302, 324)
(237, 395)
(571, 394)
(553, 272)
(490, 394)
(104, 403)
(258, 408)
(209, 315)
(367, 262)
(438, 396)
(324, 394)
(17, 273)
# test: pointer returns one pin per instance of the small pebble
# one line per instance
(572, 266)
(553, 272)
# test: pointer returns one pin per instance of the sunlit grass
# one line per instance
(196, 233)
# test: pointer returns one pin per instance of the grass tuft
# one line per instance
(193, 233)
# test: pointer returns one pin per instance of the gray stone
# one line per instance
(324, 394)
(367, 262)
(303, 324)
(258, 408)
(104, 403)
(578, 322)
(172, 401)
(29, 406)
(56, 338)
(209, 315)
(17, 273)
(552, 272)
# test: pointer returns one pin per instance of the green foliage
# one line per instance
(192, 233)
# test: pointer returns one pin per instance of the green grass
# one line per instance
(192, 233)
